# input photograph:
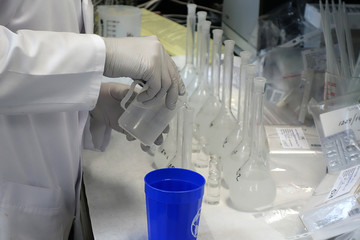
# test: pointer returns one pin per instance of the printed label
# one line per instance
(341, 119)
(276, 96)
(314, 59)
(292, 138)
(345, 182)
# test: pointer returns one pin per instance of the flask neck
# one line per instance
(190, 37)
(250, 73)
(204, 50)
(228, 74)
(216, 62)
(257, 117)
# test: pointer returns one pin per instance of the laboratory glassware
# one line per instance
(188, 72)
(190, 88)
(202, 91)
(182, 158)
(198, 96)
(236, 136)
(213, 182)
(245, 57)
(252, 188)
(237, 156)
(209, 110)
(225, 121)
(167, 150)
(201, 17)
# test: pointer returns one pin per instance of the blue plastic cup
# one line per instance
(173, 203)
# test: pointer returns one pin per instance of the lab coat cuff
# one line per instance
(96, 135)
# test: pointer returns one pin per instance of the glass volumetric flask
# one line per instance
(188, 72)
(224, 122)
(252, 188)
(240, 152)
(209, 110)
(213, 182)
(190, 88)
(202, 91)
(236, 136)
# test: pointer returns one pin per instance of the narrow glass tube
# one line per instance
(188, 118)
(176, 161)
(201, 17)
(184, 129)
(216, 61)
(188, 72)
(245, 57)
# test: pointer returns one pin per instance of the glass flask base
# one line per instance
(253, 193)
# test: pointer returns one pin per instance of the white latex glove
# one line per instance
(108, 109)
(144, 58)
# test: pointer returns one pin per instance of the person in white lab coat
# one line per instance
(50, 78)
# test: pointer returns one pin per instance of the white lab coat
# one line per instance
(49, 80)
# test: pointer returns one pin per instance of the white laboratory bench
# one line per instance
(114, 182)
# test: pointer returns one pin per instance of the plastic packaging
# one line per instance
(334, 208)
(338, 124)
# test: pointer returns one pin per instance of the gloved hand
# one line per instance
(108, 109)
(144, 58)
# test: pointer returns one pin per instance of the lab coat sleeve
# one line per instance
(44, 71)
(96, 135)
